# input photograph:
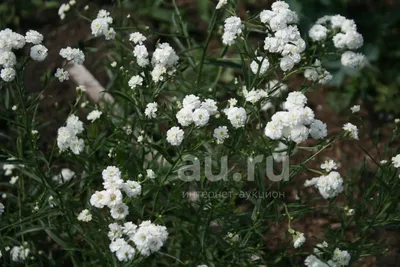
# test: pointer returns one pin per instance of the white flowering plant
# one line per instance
(159, 168)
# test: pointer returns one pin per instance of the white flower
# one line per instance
(298, 239)
(14, 179)
(65, 176)
(279, 5)
(221, 3)
(73, 54)
(337, 21)
(200, 117)
(175, 136)
(352, 130)
(119, 211)
(77, 145)
(209, 105)
(1, 209)
(220, 134)
(135, 81)
(8, 74)
(266, 16)
(295, 100)
(353, 60)
(191, 102)
(341, 257)
(311, 75)
(38, 52)
(329, 165)
(85, 216)
(313, 261)
(61, 74)
(396, 161)
(286, 63)
(150, 174)
(164, 60)
(232, 29)
(117, 244)
(298, 133)
(261, 65)
(150, 111)
(98, 199)
(254, 95)
(33, 37)
(113, 182)
(325, 77)
(111, 172)
(149, 238)
(318, 33)
(123, 250)
(74, 124)
(164, 55)
(115, 231)
(112, 197)
(141, 54)
(137, 38)
(348, 26)
(99, 26)
(19, 254)
(318, 130)
(7, 59)
(355, 108)
(132, 188)
(94, 115)
(232, 102)
(158, 72)
(129, 229)
(126, 253)
(353, 39)
(62, 10)
(329, 186)
(185, 116)
(237, 116)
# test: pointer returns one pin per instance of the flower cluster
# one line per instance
(94, 115)
(147, 238)
(351, 129)
(345, 36)
(329, 186)
(232, 29)
(85, 216)
(73, 54)
(101, 25)
(151, 109)
(195, 112)
(19, 254)
(316, 73)
(163, 61)
(67, 136)
(340, 258)
(64, 8)
(396, 161)
(284, 38)
(10, 40)
(292, 124)
(298, 238)
(111, 196)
